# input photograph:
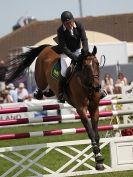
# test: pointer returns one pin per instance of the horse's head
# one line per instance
(90, 71)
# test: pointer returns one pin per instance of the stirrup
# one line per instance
(103, 94)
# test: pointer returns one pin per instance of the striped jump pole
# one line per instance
(61, 117)
(58, 106)
(60, 132)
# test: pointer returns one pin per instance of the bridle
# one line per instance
(91, 87)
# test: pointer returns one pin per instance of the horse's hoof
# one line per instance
(99, 166)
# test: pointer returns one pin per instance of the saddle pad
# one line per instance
(56, 70)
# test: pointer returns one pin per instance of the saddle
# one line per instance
(57, 66)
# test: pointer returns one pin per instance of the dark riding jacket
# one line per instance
(69, 43)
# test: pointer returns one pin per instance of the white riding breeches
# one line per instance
(66, 61)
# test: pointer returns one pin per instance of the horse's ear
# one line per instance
(94, 50)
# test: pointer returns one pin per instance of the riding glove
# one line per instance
(78, 58)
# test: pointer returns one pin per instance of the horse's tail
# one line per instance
(20, 63)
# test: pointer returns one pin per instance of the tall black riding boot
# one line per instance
(62, 82)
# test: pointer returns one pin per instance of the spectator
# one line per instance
(120, 82)
(13, 92)
(107, 83)
(6, 97)
(22, 92)
(2, 75)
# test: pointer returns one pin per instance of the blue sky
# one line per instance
(12, 10)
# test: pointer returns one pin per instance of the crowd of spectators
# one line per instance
(12, 94)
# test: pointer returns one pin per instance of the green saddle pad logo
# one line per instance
(56, 70)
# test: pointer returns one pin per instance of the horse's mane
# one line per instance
(17, 66)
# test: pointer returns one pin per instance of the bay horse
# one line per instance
(82, 90)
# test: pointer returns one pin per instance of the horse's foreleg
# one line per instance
(96, 149)
(94, 122)
(87, 124)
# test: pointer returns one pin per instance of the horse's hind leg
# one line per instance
(41, 87)
(40, 78)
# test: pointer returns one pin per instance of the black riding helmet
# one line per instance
(66, 16)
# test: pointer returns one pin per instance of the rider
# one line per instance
(71, 34)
